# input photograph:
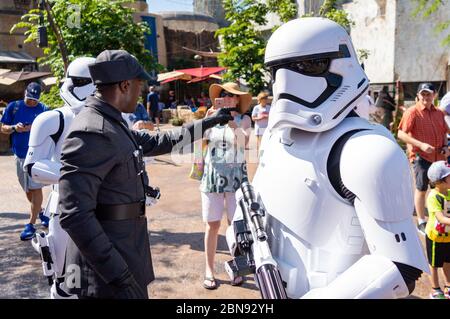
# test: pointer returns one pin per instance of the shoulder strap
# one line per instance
(333, 166)
(55, 137)
(15, 109)
(440, 199)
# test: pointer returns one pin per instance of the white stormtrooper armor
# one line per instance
(336, 189)
(43, 163)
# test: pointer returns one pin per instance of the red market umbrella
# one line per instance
(203, 71)
(172, 76)
(192, 75)
(212, 76)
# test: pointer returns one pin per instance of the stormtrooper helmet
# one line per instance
(77, 84)
(317, 79)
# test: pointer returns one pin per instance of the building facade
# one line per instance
(189, 30)
(213, 8)
(155, 42)
(401, 47)
(12, 44)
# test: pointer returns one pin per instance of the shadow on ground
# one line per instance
(18, 258)
(194, 240)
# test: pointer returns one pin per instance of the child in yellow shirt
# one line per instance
(438, 227)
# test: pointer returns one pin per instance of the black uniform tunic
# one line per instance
(98, 167)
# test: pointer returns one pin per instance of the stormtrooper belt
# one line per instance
(120, 212)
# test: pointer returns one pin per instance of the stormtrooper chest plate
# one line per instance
(294, 186)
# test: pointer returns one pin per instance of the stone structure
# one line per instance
(401, 47)
(213, 8)
(10, 13)
(142, 14)
(191, 30)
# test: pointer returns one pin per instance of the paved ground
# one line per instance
(176, 236)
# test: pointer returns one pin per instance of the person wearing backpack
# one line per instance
(17, 121)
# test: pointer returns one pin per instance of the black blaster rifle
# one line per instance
(251, 252)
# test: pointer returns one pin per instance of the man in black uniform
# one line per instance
(103, 184)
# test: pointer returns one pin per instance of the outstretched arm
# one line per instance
(164, 142)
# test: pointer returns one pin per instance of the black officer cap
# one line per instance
(112, 66)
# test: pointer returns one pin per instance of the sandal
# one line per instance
(212, 285)
(237, 281)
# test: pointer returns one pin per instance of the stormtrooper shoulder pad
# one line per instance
(376, 170)
(45, 125)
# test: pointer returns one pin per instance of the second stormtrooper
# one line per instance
(43, 163)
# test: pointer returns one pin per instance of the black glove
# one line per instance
(221, 116)
(126, 287)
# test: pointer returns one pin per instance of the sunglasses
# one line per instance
(226, 94)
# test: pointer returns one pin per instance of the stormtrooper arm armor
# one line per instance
(376, 171)
(38, 161)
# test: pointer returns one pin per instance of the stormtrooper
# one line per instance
(43, 163)
(336, 189)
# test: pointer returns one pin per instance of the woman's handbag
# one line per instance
(197, 171)
(199, 162)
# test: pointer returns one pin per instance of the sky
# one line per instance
(169, 5)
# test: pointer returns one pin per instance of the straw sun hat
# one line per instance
(245, 98)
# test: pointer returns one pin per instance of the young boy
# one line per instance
(438, 227)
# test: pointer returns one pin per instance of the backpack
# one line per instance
(14, 111)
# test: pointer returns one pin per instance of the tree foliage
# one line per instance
(52, 98)
(426, 8)
(244, 41)
(89, 27)
(330, 10)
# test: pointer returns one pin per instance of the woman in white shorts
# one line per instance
(224, 168)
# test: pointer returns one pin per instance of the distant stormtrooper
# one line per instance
(336, 190)
(43, 163)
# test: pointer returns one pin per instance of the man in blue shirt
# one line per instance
(17, 120)
(152, 106)
(139, 120)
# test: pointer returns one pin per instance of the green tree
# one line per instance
(243, 40)
(330, 10)
(89, 27)
(425, 9)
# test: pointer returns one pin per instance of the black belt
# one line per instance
(120, 212)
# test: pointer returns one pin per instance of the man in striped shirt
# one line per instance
(423, 127)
